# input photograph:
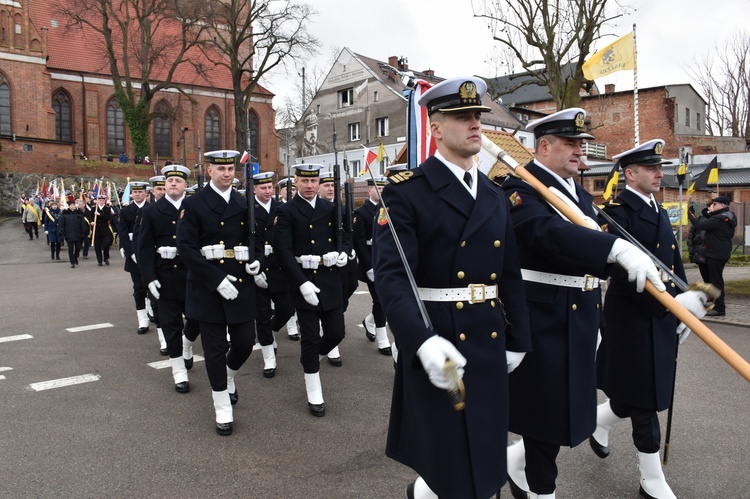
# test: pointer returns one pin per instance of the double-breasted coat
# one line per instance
(125, 232)
(553, 391)
(451, 241)
(300, 230)
(636, 359)
(207, 219)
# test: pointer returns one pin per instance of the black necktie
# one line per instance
(467, 179)
(653, 205)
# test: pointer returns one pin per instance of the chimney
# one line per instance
(393, 61)
(429, 72)
(609, 88)
(403, 63)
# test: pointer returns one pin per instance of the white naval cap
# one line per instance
(176, 171)
(568, 123)
(648, 153)
(307, 170)
(455, 95)
(221, 157)
(157, 180)
(263, 178)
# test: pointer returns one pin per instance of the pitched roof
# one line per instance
(508, 143)
(514, 91)
(81, 51)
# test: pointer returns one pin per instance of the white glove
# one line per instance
(261, 281)
(252, 268)
(638, 265)
(341, 259)
(433, 353)
(352, 255)
(695, 302)
(122, 252)
(513, 359)
(371, 275)
(133, 257)
(310, 293)
(154, 287)
(46, 232)
(329, 259)
(226, 289)
(267, 249)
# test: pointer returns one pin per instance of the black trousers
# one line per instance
(377, 308)
(74, 248)
(263, 316)
(283, 309)
(85, 246)
(312, 345)
(54, 249)
(645, 423)
(541, 465)
(349, 283)
(713, 272)
(218, 354)
(154, 307)
(29, 226)
(102, 242)
(172, 325)
(139, 290)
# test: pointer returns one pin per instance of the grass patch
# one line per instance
(737, 288)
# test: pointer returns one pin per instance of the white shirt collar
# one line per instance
(646, 199)
(226, 194)
(569, 183)
(267, 205)
(177, 203)
(460, 172)
(140, 205)
(311, 202)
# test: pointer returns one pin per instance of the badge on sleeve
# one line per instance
(275, 219)
(182, 214)
(382, 219)
(515, 199)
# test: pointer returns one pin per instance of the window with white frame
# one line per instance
(346, 97)
(381, 126)
(356, 165)
(354, 131)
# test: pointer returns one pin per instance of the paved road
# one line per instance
(129, 434)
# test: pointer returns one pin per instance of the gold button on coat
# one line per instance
(460, 305)
(574, 307)
(460, 274)
(463, 244)
(493, 276)
(497, 244)
(493, 335)
(221, 261)
(462, 336)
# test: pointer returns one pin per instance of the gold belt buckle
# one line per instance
(229, 253)
(588, 282)
(473, 287)
(664, 276)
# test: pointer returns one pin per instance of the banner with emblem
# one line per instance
(617, 56)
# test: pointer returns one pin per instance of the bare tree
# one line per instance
(546, 36)
(143, 43)
(255, 37)
(724, 79)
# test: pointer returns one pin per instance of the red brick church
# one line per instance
(57, 103)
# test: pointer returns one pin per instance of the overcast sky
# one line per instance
(444, 36)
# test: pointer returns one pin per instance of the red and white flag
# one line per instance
(245, 157)
(421, 141)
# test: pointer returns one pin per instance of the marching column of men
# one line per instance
(165, 272)
(155, 191)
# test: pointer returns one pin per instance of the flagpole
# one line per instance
(635, 89)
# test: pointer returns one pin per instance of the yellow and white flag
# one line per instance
(617, 56)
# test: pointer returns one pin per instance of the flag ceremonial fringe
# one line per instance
(708, 176)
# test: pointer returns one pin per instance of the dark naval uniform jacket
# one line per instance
(553, 391)
(125, 232)
(159, 228)
(451, 241)
(103, 217)
(636, 360)
(277, 281)
(364, 220)
(205, 218)
(301, 230)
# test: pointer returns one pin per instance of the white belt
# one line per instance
(299, 260)
(473, 293)
(585, 283)
(369, 242)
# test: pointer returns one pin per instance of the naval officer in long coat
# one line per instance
(457, 236)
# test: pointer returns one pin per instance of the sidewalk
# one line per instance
(738, 307)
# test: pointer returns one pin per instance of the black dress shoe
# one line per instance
(385, 351)
(335, 361)
(188, 363)
(317, 410)
(600, 450)
(163, 351)
(182, 387)
(294, 337)
(72, 265)
(715, 313)
(150, 318)
(644, 494)
(234, 397)
(516, 491)
(224, 429)
(410, 490)
(269, 373)
(369, 335)
(142, 330)
(100, 264)
(106, 262)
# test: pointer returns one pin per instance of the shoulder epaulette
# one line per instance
(401, 176)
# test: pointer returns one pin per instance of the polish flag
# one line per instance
(369, 158)
(245, 157)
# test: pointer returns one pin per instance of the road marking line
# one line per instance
(163, 364)
(6, 339)
(58, 383)
(2, 377)
(2, 369)
(89, 328)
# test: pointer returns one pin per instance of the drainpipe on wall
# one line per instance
(83, 117)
